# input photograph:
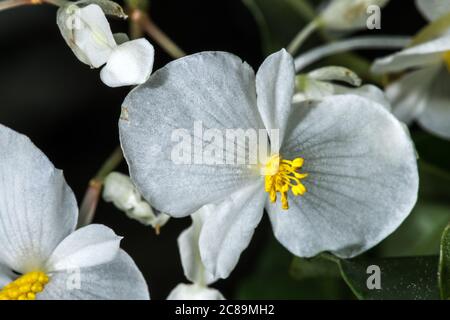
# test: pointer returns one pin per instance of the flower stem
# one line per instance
(302, 36)
(146, 23)
(357, 43)
(92, 195)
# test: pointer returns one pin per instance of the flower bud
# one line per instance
(120, 190)
(86, 30)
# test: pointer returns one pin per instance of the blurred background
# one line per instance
(62, 105)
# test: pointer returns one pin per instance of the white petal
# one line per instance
(194, 292)
(119, 279)
(131, 63)
(421, 55)
(275, 83)
(215, 88)
(433, 9)
(409, 94)
(89, 246)
(314, 90)
(362, 181)
(93, 36)
(188, 244)
(37, 208)
(229, 227)
(333, 73)
(367, 91)
(436, 116)
(6, 276)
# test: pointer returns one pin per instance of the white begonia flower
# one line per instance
(433, 9)
(421, 94)
(87, 32)
(120, 190)
(346, 15)
(345, 171)
(194, 270)
(41, 255)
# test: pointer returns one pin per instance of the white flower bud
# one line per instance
(342, 15)
(120, 190)
(86, 30)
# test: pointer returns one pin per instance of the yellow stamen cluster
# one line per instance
(446, 58)
(281, 175)
(25, 287)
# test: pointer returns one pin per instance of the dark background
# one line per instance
(62, 105)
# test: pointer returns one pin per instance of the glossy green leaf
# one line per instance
(408, 278)
(302, 269)
(271, 279)
(444, 265)
(278, 21)
(420, 234)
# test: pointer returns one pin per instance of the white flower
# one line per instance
(433, 9)
(87, 32)
(421, 94)
(41, 255)
(194, 270)
(361, 181)
(120, 190)
(342, 15)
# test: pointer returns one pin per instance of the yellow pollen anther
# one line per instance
(446, 58)
(25, 287)
(281, 175)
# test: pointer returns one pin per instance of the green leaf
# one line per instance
(271, 279)
(408, 278)
(302, 269)
(444, 265)
(278, 21)
(433, 150)
(420, 234)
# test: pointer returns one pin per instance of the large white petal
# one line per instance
(433, 9)
(421, 55)
(194, 292)
(436, 116)
(213, 87)
(362, 182)
(188, 244)
(409, 94)
(37, 208)
(119, 279)
(229, 227)
(92, 36)
(275, 81)
(367, 91)
(89, 246)
(131, 63)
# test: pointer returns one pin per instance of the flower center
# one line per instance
(281, 175)
(446, 58)
(25, 287)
